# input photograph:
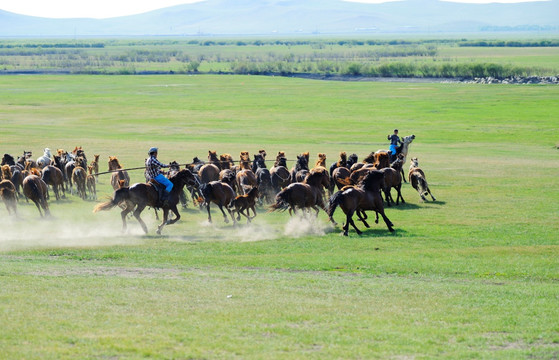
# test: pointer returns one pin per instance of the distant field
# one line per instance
(472, 275)
(436, 57)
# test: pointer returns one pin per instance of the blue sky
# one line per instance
(112, 8)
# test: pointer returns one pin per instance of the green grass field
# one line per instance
(473, 275)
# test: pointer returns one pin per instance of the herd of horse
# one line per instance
(235, 187)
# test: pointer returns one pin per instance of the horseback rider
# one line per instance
(394, 142)
(154, 172)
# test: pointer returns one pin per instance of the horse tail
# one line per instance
(282, 203)
(120, 195)
(334, 202)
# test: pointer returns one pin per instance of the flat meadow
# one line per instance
(473, 275)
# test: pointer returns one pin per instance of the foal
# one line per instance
(246, 203)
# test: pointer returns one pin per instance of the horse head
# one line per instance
(186, 177)
(321, 161)
(47, 153)
(114, 164)
(8, 159)
(353, 158)
(258, 162)
(302, 162)
(408, 139)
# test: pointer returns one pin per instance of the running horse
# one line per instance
(136, 197)
(357, 199)
(303, 195)
(118, 174)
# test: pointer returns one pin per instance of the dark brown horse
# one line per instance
(8, 195)
(208, 173)
(52, 176)
(138, 196)
(301, 168)
(219, 193)
(246, 203)
(358, 199)
(263, 178)
(305, 195)
(393, 179)
(279, 173)
(36, 190)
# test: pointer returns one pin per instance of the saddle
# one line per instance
(160, 192)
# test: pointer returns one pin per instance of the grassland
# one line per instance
(472, 275)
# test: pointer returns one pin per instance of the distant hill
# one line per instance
(251, 17)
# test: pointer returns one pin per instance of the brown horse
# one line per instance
(213, 159)
(358, 199)
(52, 176)
(226, 161)
(119, 174)
(305, 195)
(228, 176)
(138, 196)
(79, 177)
(393, 179)
(208, 173)
(245, 202)
(416, 176)
(36, 190)
(220, 194)
(246, 179)
(8, 195)
(95, 165)
(90, 182)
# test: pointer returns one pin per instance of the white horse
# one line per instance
(416, 176)
(45, 159)
(403, 149)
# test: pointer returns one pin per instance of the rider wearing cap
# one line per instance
(153, 172)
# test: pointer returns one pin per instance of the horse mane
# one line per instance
(114, 160)
(321, 161)
(342, 162)
(382, 159)
(226, 161)
(245, 160)
(279, 157)
(6, 172)
(307, 155)
(370, 159)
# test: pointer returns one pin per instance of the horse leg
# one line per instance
(403, 176)
(165, 214)
(209, 214)
(362, 218)
(350, 221)
(387, 221)
(429, 191)
(38, 207)
(399, 195)
(125, 211)
(177, 215)
(137, 213)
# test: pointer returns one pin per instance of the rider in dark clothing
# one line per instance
(394, 142)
